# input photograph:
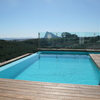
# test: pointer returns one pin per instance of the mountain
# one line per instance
(50, 35)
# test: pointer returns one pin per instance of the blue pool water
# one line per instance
(56, 67)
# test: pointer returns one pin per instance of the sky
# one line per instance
(25, 18)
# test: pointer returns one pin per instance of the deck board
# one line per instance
(67, 49)
(96, 59)
(30, 90)
(14, 59)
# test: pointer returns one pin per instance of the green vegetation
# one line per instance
(72, 41)
(12, 49)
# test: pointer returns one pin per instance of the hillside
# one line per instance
(12, 49)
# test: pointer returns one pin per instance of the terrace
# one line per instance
(30, 90)
(19, 89)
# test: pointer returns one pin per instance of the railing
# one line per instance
(72, 40)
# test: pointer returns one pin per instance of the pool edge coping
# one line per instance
(95, 61)
(61, 49)
(14, 59)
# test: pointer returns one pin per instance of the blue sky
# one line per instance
(25, 18)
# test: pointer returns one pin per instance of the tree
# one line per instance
(65, 35)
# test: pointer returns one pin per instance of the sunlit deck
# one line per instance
(65, 49)
(14, 59)
(96, 59)
(30, 90)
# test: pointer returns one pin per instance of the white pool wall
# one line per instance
(12, 69)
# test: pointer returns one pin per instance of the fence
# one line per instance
(73, 40)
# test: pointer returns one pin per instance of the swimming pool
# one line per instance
(54, 66)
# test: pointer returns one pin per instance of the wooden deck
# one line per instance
(96, 59)
(65, 49)
(14, 59)
(30, 90)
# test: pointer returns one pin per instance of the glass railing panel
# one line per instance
(72, 40)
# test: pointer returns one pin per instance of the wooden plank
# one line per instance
(45, 84)
(15, 95)
(66, 49)
(7, 98)
(14, 59)
(49, 88)
(96, 59)
(83, 98)
(38, 98)
(19, 89)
